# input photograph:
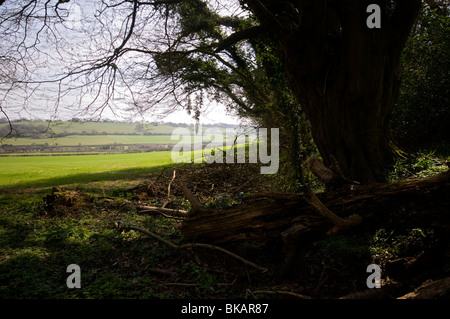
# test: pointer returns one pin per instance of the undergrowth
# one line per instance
(418, 166)
(36, 248)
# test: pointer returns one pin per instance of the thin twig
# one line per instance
(173, 211)
(166, 212)
(162, 272)
(243, 260)
(121, 226)
(160, 213)
(279, 292)
(181, 284)
(168, 190)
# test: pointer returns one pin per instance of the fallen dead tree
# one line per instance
(264, 216)
(430, 290)
(299, 218)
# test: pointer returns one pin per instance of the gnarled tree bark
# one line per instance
(344, 74)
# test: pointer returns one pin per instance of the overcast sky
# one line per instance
(75, 42)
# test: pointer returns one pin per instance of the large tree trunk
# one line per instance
(345, 75)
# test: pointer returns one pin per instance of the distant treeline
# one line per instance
(25, 130)
(44, 129)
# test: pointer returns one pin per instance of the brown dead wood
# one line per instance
(338, 222)
(430, 290)
(195, 203)
(295, 216)
(168, 189)
(278, 293)
(172, 212)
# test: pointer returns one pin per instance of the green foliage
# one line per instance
(108, 286)
(35, 251)
(345, 246)
(417, 166)
(423, 112)
(236, 63)
(387, 244)
(199, 275)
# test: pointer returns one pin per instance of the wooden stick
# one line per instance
(168, 190)
(162, 272)
(181, 284)
(121, 226)
(229, 253)
(280, 292)
(161, 213)
(174, 212)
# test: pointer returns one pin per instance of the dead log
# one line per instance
(415, 202)
(430, 290)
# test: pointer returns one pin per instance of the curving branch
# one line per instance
(239, 36)
(122, 226)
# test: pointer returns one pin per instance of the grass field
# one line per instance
(41, 171)
(74, 140)
(47, 171)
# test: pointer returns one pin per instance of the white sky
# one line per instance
(43, 104)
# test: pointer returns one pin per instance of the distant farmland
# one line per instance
(74, 140)
(41, 129)
(58, 128)
(42, 138)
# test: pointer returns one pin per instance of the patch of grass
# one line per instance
(36, 250)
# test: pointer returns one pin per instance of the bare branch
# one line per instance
(122, 226)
